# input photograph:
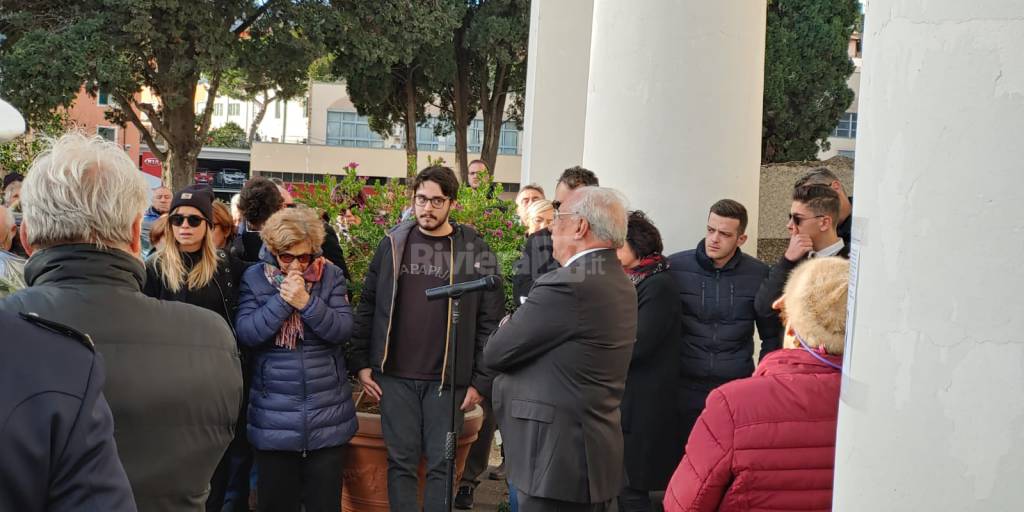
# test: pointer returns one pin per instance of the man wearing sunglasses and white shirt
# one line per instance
(813, 234)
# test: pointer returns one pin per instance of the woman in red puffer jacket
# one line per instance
(768, 442)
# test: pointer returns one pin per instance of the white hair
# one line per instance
(82, 190)
(605, 211)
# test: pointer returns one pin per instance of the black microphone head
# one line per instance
(493, 282)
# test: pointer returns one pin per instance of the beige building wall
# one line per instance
(325, 97)
(842, 143)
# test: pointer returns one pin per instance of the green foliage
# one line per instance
(496, 220)
(17, 155)
(123, 46)
(806, 68)
(228, 136)
(493, 218)
(389, 53)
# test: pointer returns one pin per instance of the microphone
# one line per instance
(490, 282)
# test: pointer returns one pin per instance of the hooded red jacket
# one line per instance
(764, 443)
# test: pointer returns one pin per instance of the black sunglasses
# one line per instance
(288, 258)
(797, 219)
(193, 220)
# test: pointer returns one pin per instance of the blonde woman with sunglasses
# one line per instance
(188, 267)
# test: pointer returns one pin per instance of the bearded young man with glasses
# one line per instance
(400, 344)
(813, 234)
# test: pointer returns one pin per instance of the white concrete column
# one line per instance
(932, 408)
(556, 89)
(674, 108)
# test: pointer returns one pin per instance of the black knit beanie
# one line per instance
(199, 197)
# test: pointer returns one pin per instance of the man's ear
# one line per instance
(837, 186)
(582, 230)
(740, 240)
(827, 223)
(136, 245)
(23, 236)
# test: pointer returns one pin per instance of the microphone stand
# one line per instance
(451, 439)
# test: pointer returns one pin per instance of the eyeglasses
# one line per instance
(436, 202)
(797, 219)
(178, 219)
(288, 258)
(560, 214)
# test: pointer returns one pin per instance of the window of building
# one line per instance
(305, 107)
(103, 98)
(351, 130)
(847, 127)
(847, 153)
(508, 140)
(277, 109)
(428, 140)
(218, 109)
(234, 109)
(107, 132)
(508, 143)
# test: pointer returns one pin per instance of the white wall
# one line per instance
(292, 127)
(674, 108)
(556, 89)
(932, 414)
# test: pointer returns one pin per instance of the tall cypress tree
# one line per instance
(805, 73)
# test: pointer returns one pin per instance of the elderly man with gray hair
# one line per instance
(562, 360)
(173, 377)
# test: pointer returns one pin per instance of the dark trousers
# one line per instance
(691, 398)
(634, 500)
(480, 452)
(527, 503)
(288, 481)
(414, 420)
(229, 487)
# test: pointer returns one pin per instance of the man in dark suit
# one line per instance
(562, 360)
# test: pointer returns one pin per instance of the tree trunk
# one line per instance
(459, 104)
(179, 168)
(259, 117)
(183, 145)
(493, 106)
(411, 150)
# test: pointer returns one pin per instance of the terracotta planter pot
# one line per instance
(365, 470)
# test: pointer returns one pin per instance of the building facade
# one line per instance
(89, 115)
(843, 141)
(338, 135)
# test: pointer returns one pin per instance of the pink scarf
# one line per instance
(291, 330)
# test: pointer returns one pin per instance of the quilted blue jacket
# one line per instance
(299, 399)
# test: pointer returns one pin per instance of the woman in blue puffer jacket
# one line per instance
(294, 313)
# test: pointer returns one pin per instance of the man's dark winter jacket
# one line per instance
(173, 378)
(299, 399)
(56, 431)
(775, 283)
(719, 315)
(471, 259)
(537, 259)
